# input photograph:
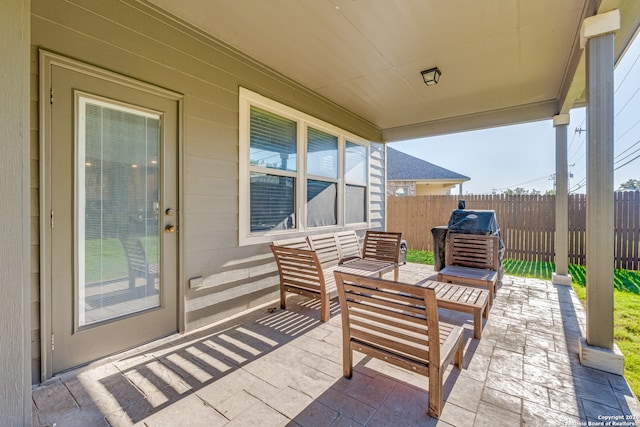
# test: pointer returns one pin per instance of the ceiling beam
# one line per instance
(488, 119)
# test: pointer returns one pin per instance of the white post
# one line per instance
(561, 275)
(15, 245)
(598, 349)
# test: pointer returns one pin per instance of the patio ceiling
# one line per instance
(502, 61)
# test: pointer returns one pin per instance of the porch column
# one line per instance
(598, 349)
(561, 276)
(15, 356)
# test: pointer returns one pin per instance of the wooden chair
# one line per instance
(472, 260)
(301, 272)
(398, 323)
(384, 246)
(138, 264)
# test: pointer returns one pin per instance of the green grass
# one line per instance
(626, 300)
(106, 260)
(420, 257)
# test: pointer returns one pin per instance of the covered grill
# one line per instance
(481, 222)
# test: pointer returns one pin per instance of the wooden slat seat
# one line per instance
(398, 323)
(472, 260)
(464, 299)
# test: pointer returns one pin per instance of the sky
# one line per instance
(524, 155)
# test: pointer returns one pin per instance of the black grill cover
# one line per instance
(474, 222)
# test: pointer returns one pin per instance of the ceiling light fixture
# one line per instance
(431, 76)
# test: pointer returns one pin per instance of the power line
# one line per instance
(627, 131)
(629, 148)
(578, 131)
(628, 72)
(579, 185)
(630, 161)
(628, 155)
(546, 177)
(627, 103)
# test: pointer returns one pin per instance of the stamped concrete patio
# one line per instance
(273, 367)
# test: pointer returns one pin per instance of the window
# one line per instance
(297, 173)
(272, 155)
(402, 191)
(356, 183)
(322, 182)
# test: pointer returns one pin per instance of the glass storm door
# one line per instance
(113, 203)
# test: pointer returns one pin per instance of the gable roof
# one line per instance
(403, 167)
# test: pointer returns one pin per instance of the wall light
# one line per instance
(431, 76)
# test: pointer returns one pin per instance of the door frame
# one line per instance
(47, 60)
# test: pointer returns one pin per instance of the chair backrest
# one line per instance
(396, 319)
(326, 246)
(472, 250)
(349, 245)
(295, 242)
(382, 245)
(299, 268)
(136, 257)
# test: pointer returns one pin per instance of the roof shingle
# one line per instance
(403, 167)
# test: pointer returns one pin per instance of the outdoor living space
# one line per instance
(273, 367)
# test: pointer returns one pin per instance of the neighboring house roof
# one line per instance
(403, 167)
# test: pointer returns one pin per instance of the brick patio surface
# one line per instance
(273, 367)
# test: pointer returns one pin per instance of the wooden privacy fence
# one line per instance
(527, 224)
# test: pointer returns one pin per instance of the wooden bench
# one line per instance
(472, 260)
(398, 323)
(306, 266)
(462, 298)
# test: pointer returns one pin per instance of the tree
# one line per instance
(519, 191)
(631, 184)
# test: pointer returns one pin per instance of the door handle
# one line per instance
(170, 229)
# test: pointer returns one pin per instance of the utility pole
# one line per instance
(552, 177)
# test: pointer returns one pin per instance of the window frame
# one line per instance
(248, 99)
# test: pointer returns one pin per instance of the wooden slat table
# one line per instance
(465, 299)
